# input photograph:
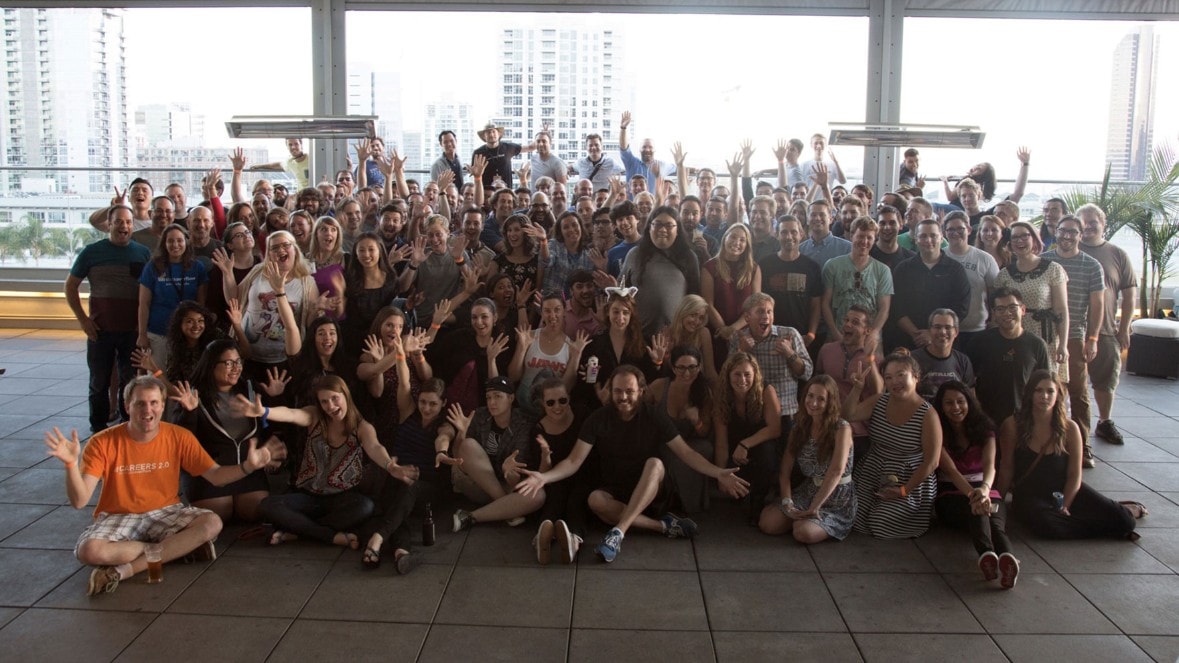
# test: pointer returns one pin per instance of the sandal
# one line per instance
(371, 558)
(1133, 506)
(280, 536)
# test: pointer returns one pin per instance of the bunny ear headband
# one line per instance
(622, 292)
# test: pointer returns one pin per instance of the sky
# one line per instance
(1044, 84)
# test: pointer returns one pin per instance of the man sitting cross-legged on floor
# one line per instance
(139, 464)
(627, 434)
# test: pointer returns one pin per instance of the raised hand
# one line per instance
(597, 258)
(1024, 155)
(459, 246)
(418, 254)
(460, 421)
(222, 261)
(735, 165)
(579, 343)
(374, 347)
(143, 361)
(415, 341)
(625, 122)
(183, 393)
(276, 382)
(477, 166)
(678, 154)
(444, 180)
(209, 184)
(858, 378)
(746, 150)
(400, 254)
(273, 275)
(780, 149)
(234, 312)
(524, 294)
(603, 280)
(442, 311)
(617, 186)
(257, 456)
(658, 348)
(497, 346)
(65, 449)
(120, 196)
(512, 468)
(363, 148)
(397, 161)
(820, 177)
(244, 407)
(238, 158)
(524, 335)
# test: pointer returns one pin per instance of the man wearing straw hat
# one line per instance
(499, 154)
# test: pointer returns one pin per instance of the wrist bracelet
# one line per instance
(279, 294)
(265, 414)
(157, 373)
(904, 490)
(399, 357)
(742, 445)
(412, 266)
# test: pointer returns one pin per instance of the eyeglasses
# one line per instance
(564, 400)
(663, 226)
(1010, 308)
(230, 363)
(688, 368)
(603, 222)
(281, 246)
(1067, 232)
(955, 231)
(1021, 237)
(238, 236)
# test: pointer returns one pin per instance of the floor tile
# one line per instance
(491, 596)
(1148, 428)
(58, 529)
(27, 575)
(499, 545)
(314, 640)
(44, 405)
(379, 595)
(1137, 604)
(595, 645)
(232, 587)
(744, 548)
(9, 614)
(21, 453)
(741, 647)
(1039, 603)
(494, 644)
(70, 635)
(1072, 648)
(14, 517)
(950, 551)
(34, 486)
(644, 551)
(11, 423)
(199, 638)
(614, 598)
(1163, 545)
(860, 553)
(915, 647)
(1162, 648)
(899, 603)
(1096, 556)
(1155, 476)
(256, 547)
(1163, 512)
(1133, 451)
(741, 601)
(132, 594)
(1106, 478)
(19, 384)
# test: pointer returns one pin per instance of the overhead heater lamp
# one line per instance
(301, 126)
(905, 135)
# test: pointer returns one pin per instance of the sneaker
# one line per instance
(568, 543)
(610, 546)
(1109, 432)
(988, 563)
(103, 580)
(462, 520)
(1009, 570)
(515, 522)
(544, 541)
(1087, 460)
(678, 528)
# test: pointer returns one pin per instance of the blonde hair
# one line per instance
(299, 270)
(744, 262)
(689, 305)
(336, 252)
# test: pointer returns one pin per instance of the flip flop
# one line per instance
(1142, 512)
(371, 558)
(279, 537)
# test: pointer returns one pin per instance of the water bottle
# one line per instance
(428, 527)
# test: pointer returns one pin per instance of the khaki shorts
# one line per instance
(153, 526)
(1106, 368)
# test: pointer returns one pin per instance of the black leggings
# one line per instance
(316, 516)
(987, 533)
(397, 501)
(1093, 516)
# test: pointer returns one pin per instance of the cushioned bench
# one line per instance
(1154, 348)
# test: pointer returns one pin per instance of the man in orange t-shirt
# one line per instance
(139, 464)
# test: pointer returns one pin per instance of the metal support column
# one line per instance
(330, 84)
(886, 21)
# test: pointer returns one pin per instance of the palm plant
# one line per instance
(1150, 210)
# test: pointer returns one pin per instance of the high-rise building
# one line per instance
(172, 124)
(455, 116)
(568, 78)
(1131, 105)
(372, 92)
(65, 97)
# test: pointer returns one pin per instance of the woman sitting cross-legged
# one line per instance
(326, 504)
(421, 442)
(824, 504)
(1041, 466)
(965, 476)
(748, 422)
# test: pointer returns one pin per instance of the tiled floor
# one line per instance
(732, 594)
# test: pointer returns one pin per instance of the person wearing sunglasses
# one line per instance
(563, 516)
(686, 397)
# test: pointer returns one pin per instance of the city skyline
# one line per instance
(1131, 104)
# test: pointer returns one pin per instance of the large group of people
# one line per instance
(600, 341)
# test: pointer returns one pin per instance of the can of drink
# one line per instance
(591, 370)
(1059, 498)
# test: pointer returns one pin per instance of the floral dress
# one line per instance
(838, 513)
(1036, 289)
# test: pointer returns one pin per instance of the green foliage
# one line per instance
(1150, 210)
(30, 238)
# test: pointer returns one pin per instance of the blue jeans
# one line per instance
(316, 516)
(101, 358)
